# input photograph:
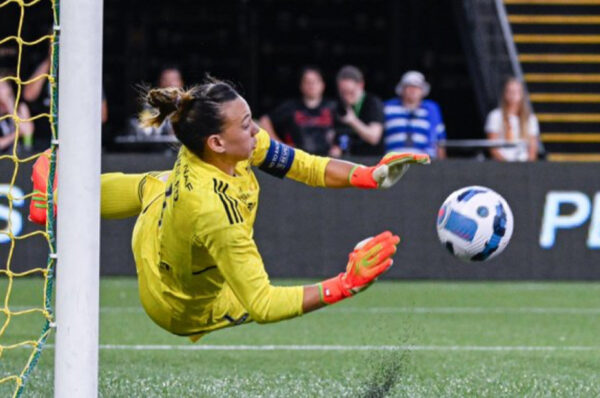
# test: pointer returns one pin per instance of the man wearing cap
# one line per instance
(413, 124)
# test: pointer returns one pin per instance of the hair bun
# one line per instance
(165, 101)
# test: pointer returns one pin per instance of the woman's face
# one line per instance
(312, 85)
(513, 93)
(238, 135)
(171, 78)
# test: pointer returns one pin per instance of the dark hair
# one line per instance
(350, 72)
(194, 113)
(309, 68)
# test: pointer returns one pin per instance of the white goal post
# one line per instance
(78, 222)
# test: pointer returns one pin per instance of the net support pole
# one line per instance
(78, 223)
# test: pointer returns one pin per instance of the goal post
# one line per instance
(78, 223)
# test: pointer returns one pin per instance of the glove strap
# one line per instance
(362, 177)
(332, 290)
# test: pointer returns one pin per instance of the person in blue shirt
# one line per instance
(412, 123)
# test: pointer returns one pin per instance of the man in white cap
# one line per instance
(413, 124)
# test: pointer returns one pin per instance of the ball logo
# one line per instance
(462, 226)
(13, 219)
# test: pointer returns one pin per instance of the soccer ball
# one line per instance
(475, 223)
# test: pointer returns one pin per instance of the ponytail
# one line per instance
(195, 114)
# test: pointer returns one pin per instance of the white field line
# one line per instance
(422, 310)
(405, 310)
(472, 310)
(165, 347)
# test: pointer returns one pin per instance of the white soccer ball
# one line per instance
(475, 223)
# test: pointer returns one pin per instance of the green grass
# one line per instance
(443, 340)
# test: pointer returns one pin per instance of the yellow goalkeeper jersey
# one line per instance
(198, 265)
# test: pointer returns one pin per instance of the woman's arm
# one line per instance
(104, 111)
(370, 133)
(494, 152)
(231, 246)
(369, 259)
(32, 91)
(441, 152)
(533, 148)
(7, 141)
(340, 174)
(337, 173)
(280, 160)
(25, 128)
(265, 123)
(311, 300)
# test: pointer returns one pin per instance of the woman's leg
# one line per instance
(121, 195)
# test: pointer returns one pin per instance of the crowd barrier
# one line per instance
(308, 232)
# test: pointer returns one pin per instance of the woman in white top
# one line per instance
(513, 121)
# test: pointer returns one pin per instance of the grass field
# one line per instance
(416, 339)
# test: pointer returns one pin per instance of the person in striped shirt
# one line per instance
(412, 123)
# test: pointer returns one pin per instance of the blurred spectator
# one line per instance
(513, 121)
(413, 124)
(170, 76)
(7, 124)
(306, 122)
(37, 95)
(359, 116)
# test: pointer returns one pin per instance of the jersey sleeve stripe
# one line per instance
(232, 203)
(217, 186)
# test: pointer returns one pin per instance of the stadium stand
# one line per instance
(558, 43)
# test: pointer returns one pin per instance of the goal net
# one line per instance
(25, 327)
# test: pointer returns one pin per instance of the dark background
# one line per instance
(308, 232)
(260, 45)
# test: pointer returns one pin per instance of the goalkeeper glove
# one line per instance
(370, 258)
(39, 200)
(387, 172)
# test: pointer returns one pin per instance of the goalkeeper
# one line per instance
(198, 266)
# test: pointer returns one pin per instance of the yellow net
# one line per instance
(12, 195)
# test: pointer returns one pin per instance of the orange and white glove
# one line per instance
(387, 172)
(39, 201)
(370, 258)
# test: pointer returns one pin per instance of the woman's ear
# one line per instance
(215, 143)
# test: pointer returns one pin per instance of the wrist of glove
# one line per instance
(370, 258)
(387, 172)
(333, 290)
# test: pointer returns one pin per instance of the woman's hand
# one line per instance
(369, 259)
(387, 172)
